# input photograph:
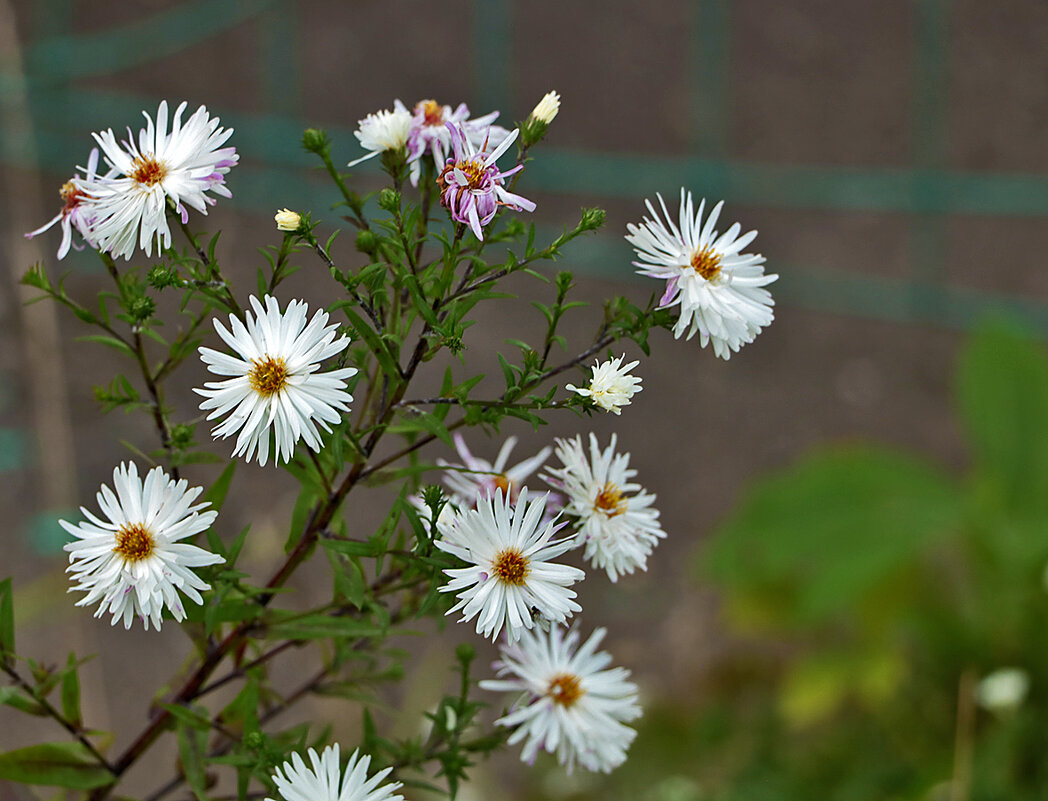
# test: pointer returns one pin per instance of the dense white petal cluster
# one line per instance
(614, 517)
(610, 387)
(275, 383)
(510, 582)
(572, 703)
(130, 205)
(384, 130)
(324, 779)
(720, 289)
(134, 562)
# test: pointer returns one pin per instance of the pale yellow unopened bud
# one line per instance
(547, 108)
(288, 220)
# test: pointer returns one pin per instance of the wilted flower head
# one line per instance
(288, 220)
(76, 212)
(471, 185)
(429, 132)
(182, 166)
(476, 479)
(382, 131)
(610, 386)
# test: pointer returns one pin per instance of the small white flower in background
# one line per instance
(477, 479)
(719, 289)
(510, 581)
(610, 387)
(382, 131)
(134, 562)
(1003, 690)
(614, 517)
(287, 220)
(573, 704)
(182, 166)
(276, 383)
(547, 108)
(324, 780)
(76, 212)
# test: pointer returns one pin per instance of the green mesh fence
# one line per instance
(927, 193)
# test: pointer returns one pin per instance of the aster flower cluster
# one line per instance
(320, 391)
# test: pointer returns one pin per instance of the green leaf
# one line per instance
(7, 620)
(190, 717)
(109, 341)
(804, 544)
(318, 627)
(14, 697)
(375, 345)
(71, 692)
(1002, 391)
(191, 746)
(216, 494)
(56, 765)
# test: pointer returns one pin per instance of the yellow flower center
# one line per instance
(71, 196)
(147, 170)
(268, 376)
(511, 567)
(504, 484)
(134, 542)
(565, 689)
(706, 263)
(610, 501)
(432, 111)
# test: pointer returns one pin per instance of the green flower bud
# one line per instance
(253, 740)
(367, 242)
(181, 436)
(464, 653)
(315, 140)
(141, 308)
(592, 219)
(160, 276)
(389, 200)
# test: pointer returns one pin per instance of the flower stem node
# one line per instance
(288, 221)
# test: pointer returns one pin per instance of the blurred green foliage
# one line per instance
(868, 592)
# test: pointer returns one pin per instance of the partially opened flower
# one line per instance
(617, 526)
(510, 581)
(275, 381)
(76, 212)
(610, 386)
(571, 703)
(547, 108)
(382, 131)
(471, 186)
(324, 779)
(134, 563)
(720, 289)
(181, 166)
(430, 135)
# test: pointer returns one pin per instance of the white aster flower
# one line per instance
(1003, 690)
(133, 562)
(325, 781)
(276, 384)
(573, 704)
(547, 108)
(610, 387)
(429, 132)
(510, 580)
(181, 166)
(614, 517)
(76, 211)
(477, 479)
(382, 131)
(719, 289)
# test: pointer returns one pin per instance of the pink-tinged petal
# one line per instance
(671, 291)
